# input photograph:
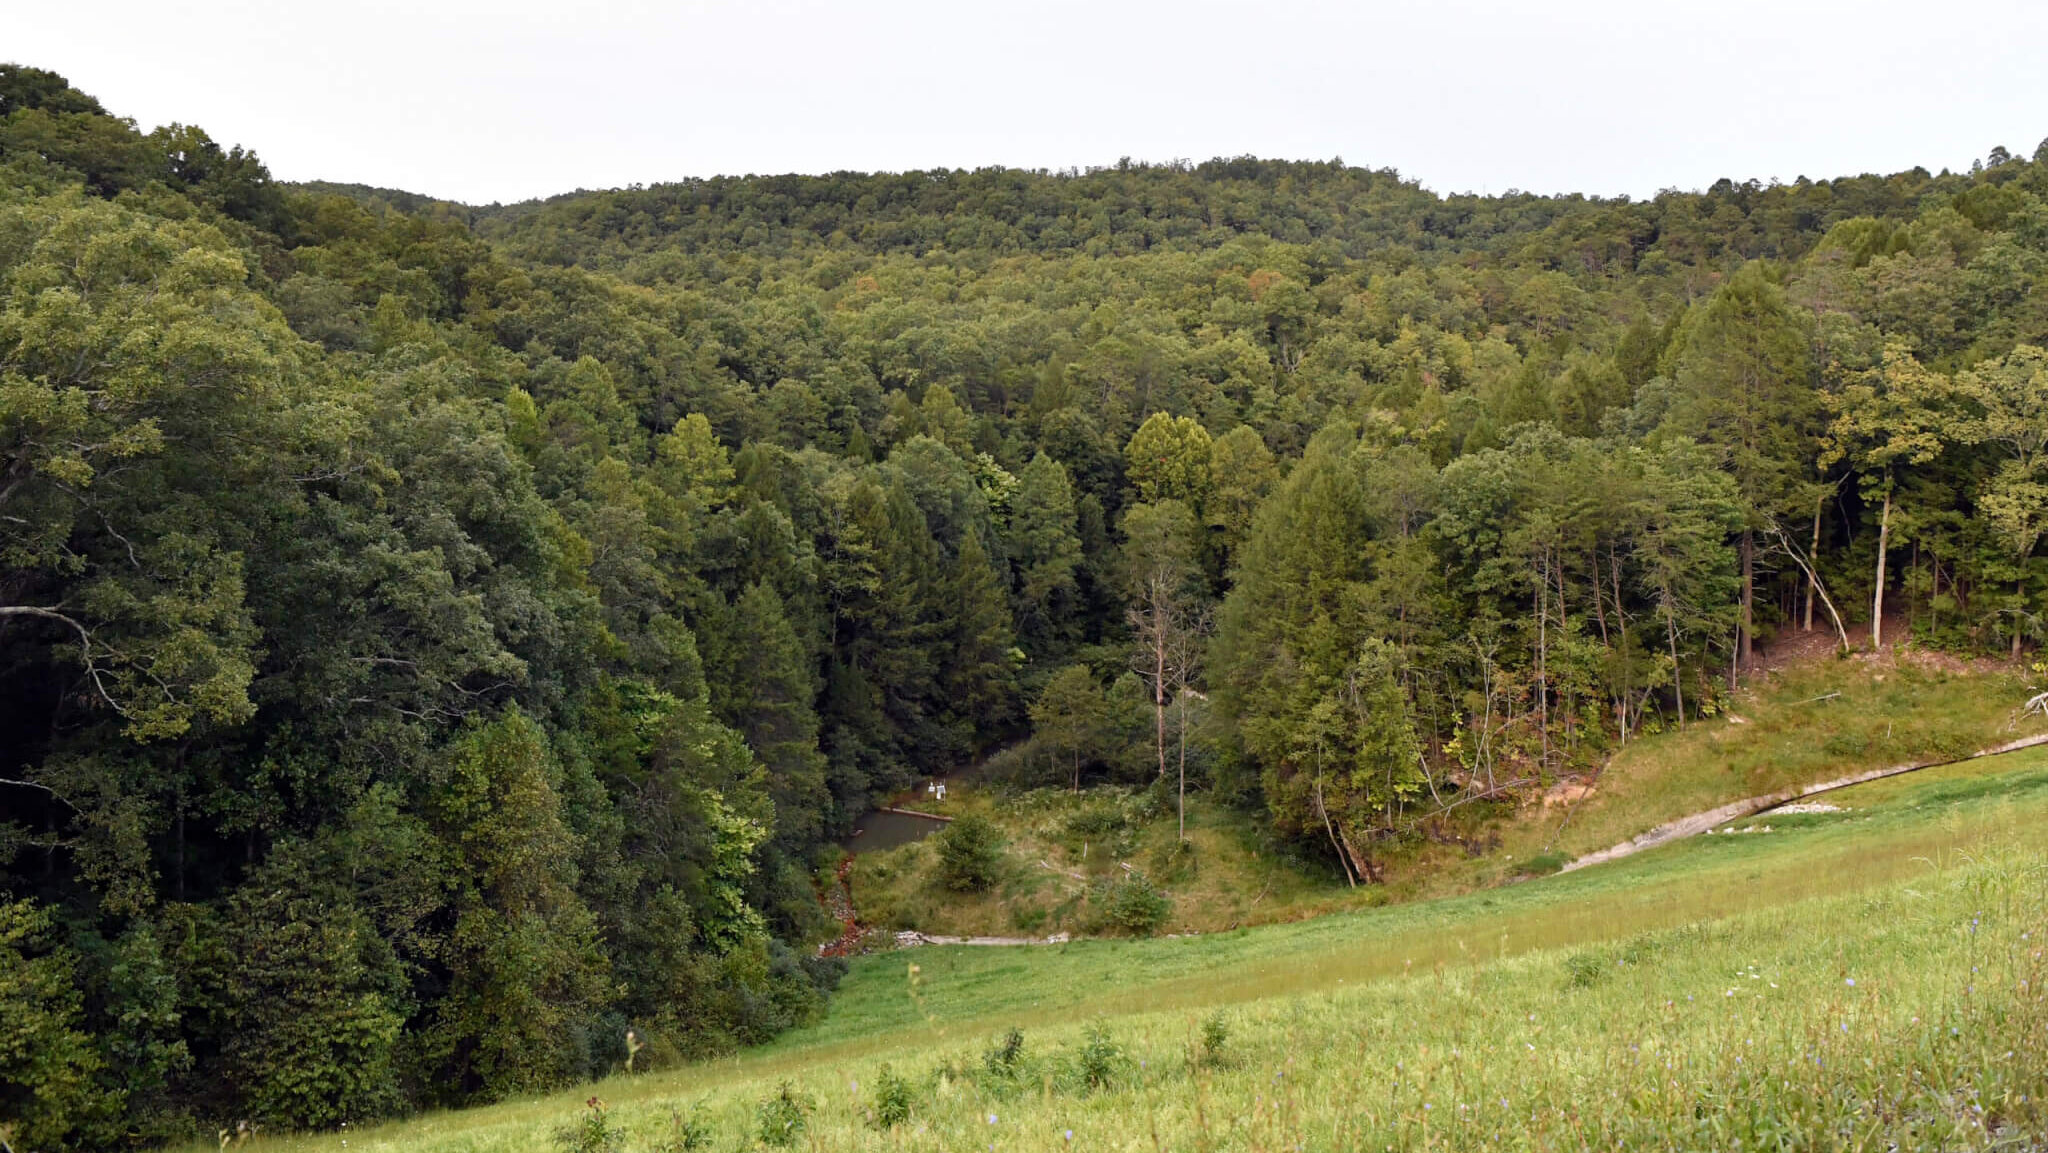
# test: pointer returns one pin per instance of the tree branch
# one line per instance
(92, 670)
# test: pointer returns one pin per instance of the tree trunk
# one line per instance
(1813, 580)
(1677, 681)
(1543, 658)
(1183, 764)
(1360, 863)
(1599, 600)
(1743, 630)
(1330, 826)
(1884, 536)
(2019, 592)
(1159, 631)
(1621, 626)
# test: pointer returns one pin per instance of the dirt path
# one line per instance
(1750, 806)
(911, 938)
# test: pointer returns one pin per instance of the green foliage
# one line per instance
(434, 637)
(780, 1119)
(1169, 458)
(1100, 1060)
(688, 1132)
(594, 1132)
(48, 1064)
(894, 1099)
(1131, 904)
(1582, 970)
(308, 1009)
(970, 852)
(1005, 1058)
(1213, 1051)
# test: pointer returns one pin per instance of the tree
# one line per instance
(1742, 375)
(970, 854)
(1045, 547)
(310, 1025)
(767, 691)
(2011, 396)
(1242, 471)
(1685, 515)
(129, 377)
(526, 965)
(1891, 416)
(979, 666)
(48, 1064)
(1158, 572)
(1067, 716)
(1168, 458)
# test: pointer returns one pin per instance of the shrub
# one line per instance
(594, 1133)
(1100, 1057)
(1215, 1036)
(1175, 861)
(1133, 904)
(1005, 1055)
(1583, 970)
(1543, 863)
(1095, 822)
(783, 1116)
(893, 1097)
(970, 854)
(686, 1132)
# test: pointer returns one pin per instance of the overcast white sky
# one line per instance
(509, 99)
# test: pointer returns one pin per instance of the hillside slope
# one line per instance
(1874, 973)
(1803, 722)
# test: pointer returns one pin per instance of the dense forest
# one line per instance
(435, 640)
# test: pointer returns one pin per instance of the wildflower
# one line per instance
(991, 1118)
(1852, 982)
(1070, 1134)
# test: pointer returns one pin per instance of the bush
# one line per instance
(1583, 970)
(1095, 822)
(1215, 1036)
(1175, 861)
(593, 1134)
(893, 1098)
(49, 1092)
(687, 1132)
(1003, 1059)
(783, 1116)
(1132, 904)
(1100, 1058)
(970, 854)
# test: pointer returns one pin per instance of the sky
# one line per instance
(511, 99)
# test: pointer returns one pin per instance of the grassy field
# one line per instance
(1810, 722)
(1863, 979)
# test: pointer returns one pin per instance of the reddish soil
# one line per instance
(838, 901)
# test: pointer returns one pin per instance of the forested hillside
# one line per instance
(435, 640)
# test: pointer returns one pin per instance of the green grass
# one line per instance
(1231, 876)
(1875, 712)
(1696, 996)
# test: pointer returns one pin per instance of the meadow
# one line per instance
(1866, 978)
(1810, 721)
